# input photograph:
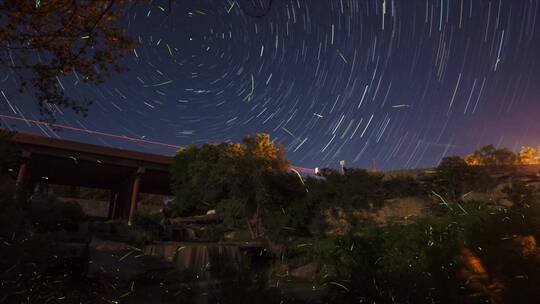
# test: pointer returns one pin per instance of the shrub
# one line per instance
(49, 214)
(422, 262)
(11, 213)
(520, 194)
(357, 188)
(147, 219)
(454, 177)
(402, 186)
(233, 212)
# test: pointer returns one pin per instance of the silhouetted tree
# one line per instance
(454, 177)
(44, 41)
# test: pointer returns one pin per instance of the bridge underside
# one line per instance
(84, 173)
(119, 180)
(124, 173)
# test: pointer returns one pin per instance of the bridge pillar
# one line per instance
(23, 174)
(134, 194)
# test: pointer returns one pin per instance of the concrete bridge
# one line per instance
(64, 162)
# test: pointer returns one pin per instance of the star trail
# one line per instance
(390, 84)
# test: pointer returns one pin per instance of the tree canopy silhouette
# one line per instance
(44, 41)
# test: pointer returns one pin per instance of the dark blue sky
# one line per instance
(398, 84)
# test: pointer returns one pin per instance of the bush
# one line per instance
(402, 186)
(49, 214)
(11, 213)
(520, 194)
(357, 188)
(233, 212)
(454, 177)
(147, 218)
(424, 261)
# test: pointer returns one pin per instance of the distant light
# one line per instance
(317, 171)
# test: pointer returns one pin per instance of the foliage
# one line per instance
(529, 156)
(232, 211)
(79, 37)
(520, 194)
(49, 214)
(9, 154)
(11, 213)
(424, 261)
(207, 175)
(146, 218)
(357, 188)
(402, 186)
(490, 156)
(289, 205)
(454, 177)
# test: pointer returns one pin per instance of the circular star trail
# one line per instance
(390, 84)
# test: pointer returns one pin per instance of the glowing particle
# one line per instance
(158, 84)
(340, 285)
(230, 8)
(300, 177)
(125, 256)
(250, 95)
(442, 199)
(169, 48)
(288, 132)
(341, 55)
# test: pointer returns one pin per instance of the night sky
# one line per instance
(391, 84)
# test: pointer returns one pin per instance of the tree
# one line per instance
(490, 156)
(454, 177)
(529, 156)
(45, 41)
(230, 177)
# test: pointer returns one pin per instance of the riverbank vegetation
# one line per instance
(451, 253)
(473, 241)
